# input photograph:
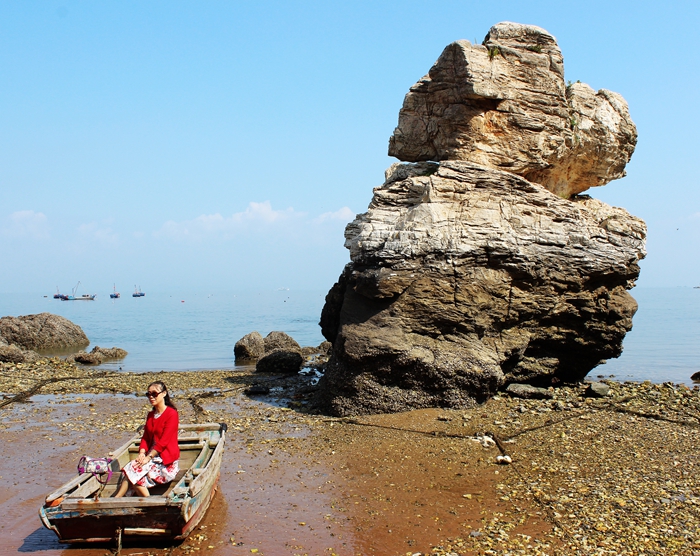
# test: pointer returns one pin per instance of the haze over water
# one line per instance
(191, 331)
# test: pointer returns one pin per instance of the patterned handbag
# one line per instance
(97, 466)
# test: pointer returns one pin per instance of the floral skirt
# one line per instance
(152, 474)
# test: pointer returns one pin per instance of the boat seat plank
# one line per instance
(164, 490)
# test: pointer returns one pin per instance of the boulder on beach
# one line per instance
(249, 347)
(477, 263)
(276, 340)
(280, 361)
(42, 332)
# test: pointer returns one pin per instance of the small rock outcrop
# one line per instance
(278, 352)
(42, 332)
(97, 356)
(250, 347)
(275, 341)
(14, 354)
(529, 392)
(477, 264)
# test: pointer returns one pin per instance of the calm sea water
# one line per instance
(164, 331)
(198, 330)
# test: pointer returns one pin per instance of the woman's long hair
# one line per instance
(164, 388)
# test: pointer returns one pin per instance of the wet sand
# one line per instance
(416, 482)
(285, 488)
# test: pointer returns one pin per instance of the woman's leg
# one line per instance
(141, 491)
(122, 487)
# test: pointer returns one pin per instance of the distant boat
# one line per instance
(137, 292)
(57, 295)
(73, 297)
(116, 294)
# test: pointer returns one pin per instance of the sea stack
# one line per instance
(479, 263)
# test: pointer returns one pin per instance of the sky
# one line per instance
(225, 145)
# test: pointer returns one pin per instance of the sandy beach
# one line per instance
(613, 475)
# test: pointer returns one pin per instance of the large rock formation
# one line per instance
(504, 104)
(465, 277)
(42, 332)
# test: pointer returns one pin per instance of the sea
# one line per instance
(198, 330)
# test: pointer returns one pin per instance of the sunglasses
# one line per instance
(152, 394)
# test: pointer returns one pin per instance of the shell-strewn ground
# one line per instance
(614, 475)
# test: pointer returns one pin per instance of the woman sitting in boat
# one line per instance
(157, 462)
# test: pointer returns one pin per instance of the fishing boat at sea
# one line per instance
(74, 297)
(84, 511)
(115, 294)
(57, 295)
(137, 292)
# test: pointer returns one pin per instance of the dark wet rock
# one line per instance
(43, 332)
(280, 361)
(597, 390)
(257, 390)
(695, 376)
(528, 392)
(250, 347)
(85, 358)
(276, 340)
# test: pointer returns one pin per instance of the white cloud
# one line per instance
(27, 223)
(216, 225)
(343, 215)
(104, 235)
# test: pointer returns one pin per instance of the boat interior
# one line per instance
(196, 448)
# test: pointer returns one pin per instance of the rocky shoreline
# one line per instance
(590, 475)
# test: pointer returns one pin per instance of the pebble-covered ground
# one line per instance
(618, 475)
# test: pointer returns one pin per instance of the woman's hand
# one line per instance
(142, 459)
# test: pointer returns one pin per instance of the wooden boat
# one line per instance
(83, 511)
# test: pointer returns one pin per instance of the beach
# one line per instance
(611, 475)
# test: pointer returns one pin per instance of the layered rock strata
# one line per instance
(504, 104)
(465, 277)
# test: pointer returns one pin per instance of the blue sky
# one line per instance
(225, 145)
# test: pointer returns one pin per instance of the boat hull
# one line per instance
(94, 525)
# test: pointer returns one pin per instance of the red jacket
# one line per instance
(161, 435)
